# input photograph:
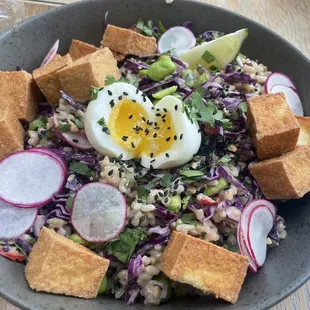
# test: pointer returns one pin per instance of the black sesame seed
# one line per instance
(176, 107)
(169, 128)
(139, 200)
(181, 136)
(120, 97)
(160, 194)
(151, 167)
(176, 181)
(144, 99)
(239, 70)
(152, 108)
(164, 116)
(167, 155)
(166, 200)
(147, 131)
(174, 193)
(199, 130)
(156, 128)
(125, 94)
(112, 103)
(158, 114)
(166, 192)
(155, 123)
(153, 160)
(164, 121)
(110, 172)
(143, 118)
(157, 109)
(155, 135)
(132, 145)
(165, 110)
(129, 165)
(124, 138)
(176, 186)
(175, 137)
(156, 197)
(256, 89)
(120, 174)
(198, 114)
(110, 93)
(134, 100)
(149, 123)
(151, 155)
(75, 140)
(137, 91)
(130, 116)
(139, 159)
(168, 139)
(121, 170)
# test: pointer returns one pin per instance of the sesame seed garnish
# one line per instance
(165, 110)
(163, 116)
(155, 123)
(130, 116)
(125, 138)
(175, 137)
(151, 167)
(160, 194)
(110, 93)
(181, 136)
(167, 155)
(166, 200)
(158, 114)
(120, 174)
(166, 192)
(121, 170)
(132, 145)
(164, 120)
(156, 128)
(199, 130)
(174, 193)
(169, 128)
(155, 135)
(110, 172)
(143, 118)
(176, 107)
(137, 91)
(120, 97)
(75, 140)
(156, 197)
(168, 139)
(151, 155)
(112, 103)
(147, 131)
(134, 100)
(149, 123)
(139, 159)
(152, 108)
(176, 186)
(144, 99)
(125, 94)
(198, 114)
(152, 160)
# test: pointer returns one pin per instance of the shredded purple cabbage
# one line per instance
(234, 77)
(76, 105)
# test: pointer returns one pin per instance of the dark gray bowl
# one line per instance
(287, 267)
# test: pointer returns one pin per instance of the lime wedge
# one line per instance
(218, 52)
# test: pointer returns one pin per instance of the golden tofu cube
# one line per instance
(60, 266)
(47, 79)
(272, 125)
(304, 135)
(128, 42)
(20, 92)
(284, 177)
(205, 266)
(11, 132)
(90, 70)
(79, 49)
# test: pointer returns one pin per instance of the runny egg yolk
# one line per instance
(131, 128)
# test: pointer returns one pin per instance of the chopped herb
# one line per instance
(191, 173)
(125, 245)
(70, 202)
(223, 160)
(143, 190)
(166, 180)
(79, 123)
(63, 128)
(243, 107)
(207, 57)
(93, 92)
(38, 123)
(189, 218)
(104, 126)
(161, 27)
(146, 28)
(79, 168)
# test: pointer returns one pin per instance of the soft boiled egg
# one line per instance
(122, 120)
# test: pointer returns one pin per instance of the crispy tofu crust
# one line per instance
(58, 265)
(128, 42)
(205, 266)
(47, 79)
(304, 135)
(272, 125)
(284, 177)
(11, 132)
(90, 70)
(118, 56)
(21, 93)
(80, 49)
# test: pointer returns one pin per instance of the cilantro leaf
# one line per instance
(146, 28)
(38, 123)
(189, 218)
(79, 168)
(104, 126)
(167, 179)
(142, 191)
(125, 245)
(223, 160)
(63, 128)
(191, 173)
(110, 79)
(70, 202)
(243, 107)
(93, 92)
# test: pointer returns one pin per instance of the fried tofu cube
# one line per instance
(20, 92)
(205, 266)
(11, 132)
(304, 135)
(284, 177)
(272, 125)
(47, 79)
(128, 42)
(79, 49)
(118, 56)
(60, 266)
(90, 70)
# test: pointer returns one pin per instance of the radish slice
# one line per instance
(277, 78)
(259, 225)
(243, 249)
(177, 39)
(15, 221)
(292, 98)
(30, 179)
(51, 153)
(50, 55)
(99, 212)
(75, 139)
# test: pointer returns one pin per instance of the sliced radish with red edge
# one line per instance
(75, 139)
(276, 78)
(51, 153)
(30, 179)
(14, 221)
(99, 212)
(51, 54)
(292, 98)
(176, 39)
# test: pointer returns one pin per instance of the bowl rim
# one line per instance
(302, 279)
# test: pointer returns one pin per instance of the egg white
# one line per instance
(102, 142)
